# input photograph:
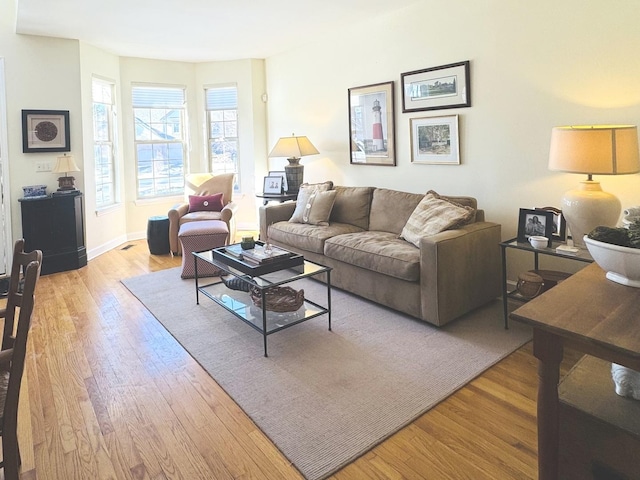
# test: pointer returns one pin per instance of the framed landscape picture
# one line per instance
(371, 125)
(446, 86)
(45, 131)
(434, 140)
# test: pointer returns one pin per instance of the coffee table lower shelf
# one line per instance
(241, 305)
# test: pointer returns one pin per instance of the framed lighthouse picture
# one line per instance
(371, 125)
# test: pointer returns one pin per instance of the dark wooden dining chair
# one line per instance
(25, 272)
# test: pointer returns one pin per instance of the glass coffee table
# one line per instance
(261, 281)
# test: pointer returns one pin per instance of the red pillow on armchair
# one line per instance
(206, 203)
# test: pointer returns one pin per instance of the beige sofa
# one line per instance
(448, 275)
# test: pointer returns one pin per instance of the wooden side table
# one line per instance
(283, 197)
(587, 313)
(582, 256)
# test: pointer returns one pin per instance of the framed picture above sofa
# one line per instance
(435, 88)
(371, 125)
(435, 140)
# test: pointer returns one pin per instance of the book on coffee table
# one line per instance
(258, 254)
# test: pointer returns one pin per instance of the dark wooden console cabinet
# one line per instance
(55, 225)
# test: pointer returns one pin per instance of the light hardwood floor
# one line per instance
(108, 393)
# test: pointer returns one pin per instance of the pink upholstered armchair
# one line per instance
(202, 184)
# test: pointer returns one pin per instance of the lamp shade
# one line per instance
(64, 164)
(595, 149)
(293, 147)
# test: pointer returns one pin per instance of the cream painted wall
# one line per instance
(107, 228)
(41, 73)
(534, 65)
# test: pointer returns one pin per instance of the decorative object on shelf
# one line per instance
(293, 148)
(529, 285)
(371, 125)
(627, 381)
(247, 243)
(533, 222)
(278, 299)
(45, 131)
(34, 191)
(630, 215)
(237, 283)
(446, 86)
(538, 241)
(435, 140)
(66, 164)
(622, 264)
(593, 150)
(559, 223)
(272, 185)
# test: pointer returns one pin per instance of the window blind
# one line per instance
(157, 97)
(221, 98)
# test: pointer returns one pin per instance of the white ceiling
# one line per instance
(195, 30)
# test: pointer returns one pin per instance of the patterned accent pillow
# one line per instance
(206, 203)
(313, 206)
(434, 215)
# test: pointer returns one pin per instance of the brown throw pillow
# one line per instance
(434, 215)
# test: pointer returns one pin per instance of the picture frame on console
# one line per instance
(559, 223)
(436, 88)
(435, 140)
(272, 185)
(371, 125)
(532, 222)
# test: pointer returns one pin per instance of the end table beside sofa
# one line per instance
(447, 275)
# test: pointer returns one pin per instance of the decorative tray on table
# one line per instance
(256, 261)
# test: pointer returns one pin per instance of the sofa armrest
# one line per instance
(175, 214)
(268, 214)
(459, 270)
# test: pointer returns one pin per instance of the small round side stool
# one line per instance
(158, 235)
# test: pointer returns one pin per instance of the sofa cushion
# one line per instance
(206, 203)
(352, 206)
(381, 252)
(434, 215)
(305, 236)
(313, 206)
(390, 209)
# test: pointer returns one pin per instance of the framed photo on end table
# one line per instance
(533, 222)
(559, 223)
(272, 185)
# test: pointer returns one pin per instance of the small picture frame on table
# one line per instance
(559, 223)
(272, 185)
(278, 173)
(533, 222)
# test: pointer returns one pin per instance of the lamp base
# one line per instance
(589, 207)
(66, 183)
(295, 174)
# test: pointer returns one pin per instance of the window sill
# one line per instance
(109, 209)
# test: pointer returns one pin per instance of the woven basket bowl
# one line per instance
(279, 299)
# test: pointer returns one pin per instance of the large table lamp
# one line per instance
(293, 148)
(593, 150)
(66, 164)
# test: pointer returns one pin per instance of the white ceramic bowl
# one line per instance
(622, 264)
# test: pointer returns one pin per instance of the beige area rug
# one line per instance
(325, 398)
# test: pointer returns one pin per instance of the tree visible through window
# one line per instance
(104, 141)
(159, 140)
(222, 115)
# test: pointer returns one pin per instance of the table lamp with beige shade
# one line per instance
(593, 150)
(293, 148)
(65, 164)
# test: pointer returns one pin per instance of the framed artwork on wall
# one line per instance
(45, 131)
(435, 140)
(533, 222)
(446, 86)
(371, 125)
